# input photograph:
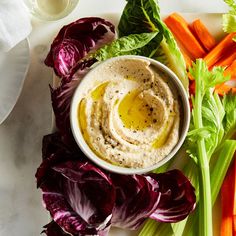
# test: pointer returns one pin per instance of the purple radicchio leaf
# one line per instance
(75, 41)
(136, 199)
(80, 198)
(55, 151)
(53, 229)
(61, 99)
(177, 199)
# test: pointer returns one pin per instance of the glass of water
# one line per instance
(51, 9)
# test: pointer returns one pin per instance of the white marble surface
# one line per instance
(21, 212)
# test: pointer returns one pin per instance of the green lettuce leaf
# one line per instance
(144, 16)
(133, 44)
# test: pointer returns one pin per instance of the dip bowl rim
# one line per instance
(79, 138)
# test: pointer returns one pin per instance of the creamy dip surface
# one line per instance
(129, 114)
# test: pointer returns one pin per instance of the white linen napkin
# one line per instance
(14, 23)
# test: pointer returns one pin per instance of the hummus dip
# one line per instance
(129, 115)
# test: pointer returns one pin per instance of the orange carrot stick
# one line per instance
(231, 70)
(234, 197)
(227, 197)
(224, 88)
(227, 58)
(203, 35)
(217, 52)
(179, 27)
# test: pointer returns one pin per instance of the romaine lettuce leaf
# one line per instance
(141, 16)
(134, 44)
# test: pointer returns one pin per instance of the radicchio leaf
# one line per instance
(60, 210)
(54, 152)
(89, 191)
(53, 229)
(83, 199)
(136, 199)
(67, 57)
(75, 40)
(177, 199)
(61, 99)
(79, 197)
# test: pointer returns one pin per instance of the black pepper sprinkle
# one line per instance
(117, 91)
(154, 121)
(151, 109)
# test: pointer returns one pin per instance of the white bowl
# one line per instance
(79, 94)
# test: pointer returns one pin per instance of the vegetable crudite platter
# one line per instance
(145, 121)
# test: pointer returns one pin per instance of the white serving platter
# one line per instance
(213, 23)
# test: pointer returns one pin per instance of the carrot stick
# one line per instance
(231, 70)
(216, 53)
(227, 204)
(203, 35)
(227, 58)
(229, 85)
(224, 88)
(180, 29)
(234, 225)
(234, 197)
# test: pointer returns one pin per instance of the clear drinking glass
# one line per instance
(51, 9)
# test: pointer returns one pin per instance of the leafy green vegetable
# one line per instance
(204, 108)
(144, 16)
(218, 173)
(229, 19)
(133, 44)
(229, 103)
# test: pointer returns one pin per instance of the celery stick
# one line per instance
(154, 228)
(218, 172)
(205, 224)
(220, 169)
(149, 228)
